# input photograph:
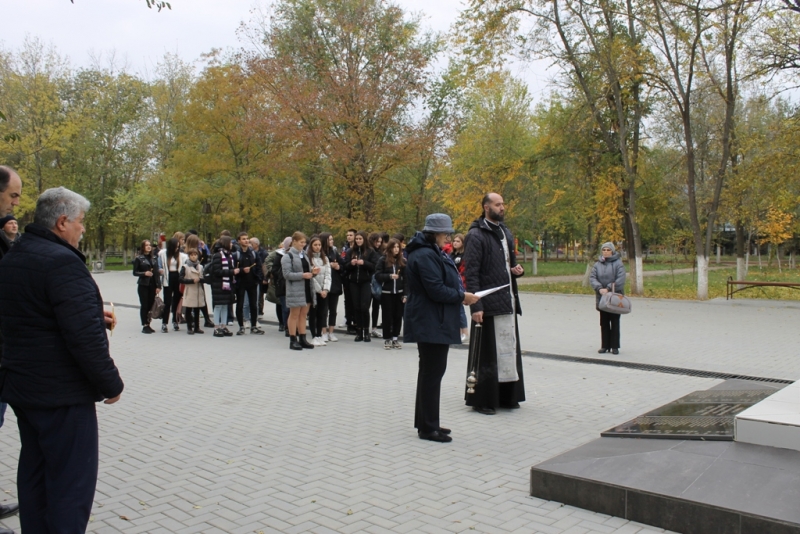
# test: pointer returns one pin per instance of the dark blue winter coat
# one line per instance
(434, 295)
(55, 349)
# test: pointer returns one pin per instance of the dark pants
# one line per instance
(361, 295)
(172, 297)
(318, 315)
(147, 296)
(333, 308)
(609, 330)
(392, 305)
(279, 312)
(432, 365)
(252, 295)
(57, 471)
(349, 309)
(192, 316)
(376, 310)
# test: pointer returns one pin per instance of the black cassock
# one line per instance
(489, 393)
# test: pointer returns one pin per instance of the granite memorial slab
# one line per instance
(701, 415)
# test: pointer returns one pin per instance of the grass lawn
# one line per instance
(684, 286)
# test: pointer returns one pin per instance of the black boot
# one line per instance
(293, 344)
(359, 335)
(367, 337)
(304, 342)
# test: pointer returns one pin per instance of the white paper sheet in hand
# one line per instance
(485, 292)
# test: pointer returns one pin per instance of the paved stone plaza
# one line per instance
(242, 435)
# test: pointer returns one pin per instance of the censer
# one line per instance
(474, 356)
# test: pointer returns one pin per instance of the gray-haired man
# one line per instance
(55, 365)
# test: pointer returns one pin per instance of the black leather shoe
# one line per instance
(367, 337)
(352, 330)
(435, 436)
(7, 510)
(198, 331)
(614, 351)
(602, 351)
(293, 344)
(304, 342)
(226, 332)
(513, 406)
(444, 430)
(281, 328)
(359, 335)
(209, 324)
(484, 411)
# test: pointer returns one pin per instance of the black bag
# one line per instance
(277, 277)
(157, 311)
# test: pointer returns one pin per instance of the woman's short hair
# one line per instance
(58, 201)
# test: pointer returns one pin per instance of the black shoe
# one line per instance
(484, 411)
(198, 331)
(614, 351)
(435, 436)
(304, 342)
(353, 331)
(176, 327)
(226, 332)
(190, 331)
(359, 335)
(241, 331)
(209, 324)
(444, 430)
(256, 330)
(7, 510)
(164, 328)
(367, 337)
(218, 332)
(147, 330)
(293, 344)
(513, 406)
(602, 351)
(281, 328)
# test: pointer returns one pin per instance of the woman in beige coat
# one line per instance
(194, 293)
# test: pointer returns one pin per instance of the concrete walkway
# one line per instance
(242, 435)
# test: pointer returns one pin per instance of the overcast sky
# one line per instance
(141, 36)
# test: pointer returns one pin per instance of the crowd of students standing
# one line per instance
(304, 277)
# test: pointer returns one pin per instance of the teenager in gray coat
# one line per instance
(297, 271)
(608, 273)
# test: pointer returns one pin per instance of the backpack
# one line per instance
(277, 277)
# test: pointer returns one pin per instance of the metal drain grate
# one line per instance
(656, 368)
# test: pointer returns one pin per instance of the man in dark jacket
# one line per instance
(55, 365)
(490, 262)
(247, 281)
(10, 193)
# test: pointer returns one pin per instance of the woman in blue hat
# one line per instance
(435, 296)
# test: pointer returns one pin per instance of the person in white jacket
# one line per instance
(321, 286)
(170, 261)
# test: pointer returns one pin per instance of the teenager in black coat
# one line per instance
(360, 264)
(145, 267)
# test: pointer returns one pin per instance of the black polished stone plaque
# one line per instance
(702, 415)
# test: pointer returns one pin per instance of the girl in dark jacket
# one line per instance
(360, 264)
(390, 272)
(222, 273)
(431, 318)
(379, 246)
(458, 258)
(334, 260)
(145, 266)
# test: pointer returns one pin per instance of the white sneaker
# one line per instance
(321, 342)
(325, 337)
(463, 337)
(332, 337)
(375, 333)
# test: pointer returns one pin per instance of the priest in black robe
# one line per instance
(491, 262)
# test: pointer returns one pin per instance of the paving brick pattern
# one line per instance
(241, 435)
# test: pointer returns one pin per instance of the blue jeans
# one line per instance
(2, 413)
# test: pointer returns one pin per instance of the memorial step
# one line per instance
(772, 422)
